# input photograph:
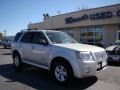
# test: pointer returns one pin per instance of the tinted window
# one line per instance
(27, 37)
(38, 36)
(17, 37)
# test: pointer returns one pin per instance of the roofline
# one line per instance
(87, 9)
(34, 30)
(76, 12)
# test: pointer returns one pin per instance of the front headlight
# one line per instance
(85, 56)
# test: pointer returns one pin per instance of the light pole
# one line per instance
(5, 31)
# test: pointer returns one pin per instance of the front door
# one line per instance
(40, 51)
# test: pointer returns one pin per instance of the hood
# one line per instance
(113, 48)
(81, 47)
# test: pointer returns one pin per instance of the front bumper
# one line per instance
(90, 68)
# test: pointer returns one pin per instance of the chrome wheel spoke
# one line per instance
(60, 73)
(16, 61)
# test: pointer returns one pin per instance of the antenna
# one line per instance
(5, 31)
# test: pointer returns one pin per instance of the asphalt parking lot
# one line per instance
(32, 78)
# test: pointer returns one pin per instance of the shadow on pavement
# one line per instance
(40, 79)
(5, 54)
(116, 64)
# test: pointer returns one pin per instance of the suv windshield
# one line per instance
(59, 37)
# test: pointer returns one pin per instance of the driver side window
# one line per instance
(39, 37)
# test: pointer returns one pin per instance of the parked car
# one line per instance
(2, 41)
(113, 51)
(58, 53)
(6, 43)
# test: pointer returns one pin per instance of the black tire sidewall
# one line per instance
(5, 47)
(20, 66)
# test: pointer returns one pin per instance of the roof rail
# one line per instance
(28, 29)
(24, 30)
(33, 29)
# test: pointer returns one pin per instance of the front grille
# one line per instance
(100, 65)
(100, 56)
(113, 52)
(98, 69)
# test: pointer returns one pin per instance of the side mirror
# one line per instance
(43, 42)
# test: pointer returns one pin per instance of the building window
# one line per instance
(83, 35)
(91, 35)
(98, 34)
(118, 32)
(118, 27)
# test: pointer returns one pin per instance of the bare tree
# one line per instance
(1, 36)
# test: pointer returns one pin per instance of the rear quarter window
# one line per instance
(17, 37)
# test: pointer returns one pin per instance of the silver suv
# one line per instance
(57, 52)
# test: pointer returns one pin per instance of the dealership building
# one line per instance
(97, 26)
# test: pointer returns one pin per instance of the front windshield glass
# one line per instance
(59, 37)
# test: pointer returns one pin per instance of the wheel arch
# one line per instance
(60, 59)
(15, 52)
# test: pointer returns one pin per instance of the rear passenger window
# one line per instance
(17, 37)
(27, 37)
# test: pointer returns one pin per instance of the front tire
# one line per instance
(62, 73)
(17, 62)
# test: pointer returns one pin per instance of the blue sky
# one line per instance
(15, 15)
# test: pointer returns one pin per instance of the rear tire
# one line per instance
(17, 62)
(62, 73)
